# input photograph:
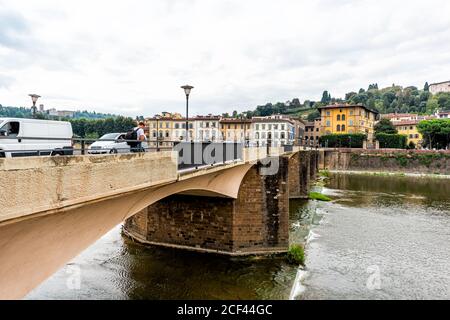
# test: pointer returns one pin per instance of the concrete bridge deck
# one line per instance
(52, 208)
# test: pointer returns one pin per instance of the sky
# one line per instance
(131, 57)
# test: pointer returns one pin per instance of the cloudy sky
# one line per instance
(130, 57)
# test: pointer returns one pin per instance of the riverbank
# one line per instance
(390, 174)
(386, 160)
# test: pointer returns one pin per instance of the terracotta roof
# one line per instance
(433, 84)
(398, 115)
(267, 120)
(235, 120)
(406, 123)
(335, 106)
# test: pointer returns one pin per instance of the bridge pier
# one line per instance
(256, 222)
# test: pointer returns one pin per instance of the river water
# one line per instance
(380, 238)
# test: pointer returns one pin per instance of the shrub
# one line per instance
(296, 254)
(343, 140)
(394, 141)
(318, 196)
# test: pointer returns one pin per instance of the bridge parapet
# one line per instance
(42, 184)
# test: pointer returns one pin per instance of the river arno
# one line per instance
(380, 238)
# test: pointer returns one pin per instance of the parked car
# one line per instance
(31, 137)
(112, 143)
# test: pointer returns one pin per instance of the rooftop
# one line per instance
(433, 84)
(341, 106)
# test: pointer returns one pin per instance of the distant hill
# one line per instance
(21, 112)
(386, 100)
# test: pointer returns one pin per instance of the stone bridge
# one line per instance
(52, 208)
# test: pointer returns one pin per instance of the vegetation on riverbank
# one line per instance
(318, 196)
(296, 254)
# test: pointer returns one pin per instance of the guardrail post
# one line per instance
(82, 147)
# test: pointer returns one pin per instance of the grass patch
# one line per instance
(296, 254)
(324, 173)
(318, 196)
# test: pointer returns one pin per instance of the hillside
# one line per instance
(386, 100)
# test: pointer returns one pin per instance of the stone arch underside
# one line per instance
(32, 249)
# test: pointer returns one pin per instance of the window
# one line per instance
(338, 117)
(317, 129)
(351, 112)
(410, 128)
(270, 127)
(276, 135)
(343, 127)
(167, 125)
(177, 126)
(350, 122)
(343, 117)
(328, 123)
(257, 126)
(263, 135)
(282, 127)
(207, 124)
(191, 126)
(257, 135)
(283, 135)
(167, 133)
(275, 127)
(417, 136)
(328, 113)
(263, 127)
(411, 136)
(154, 134)
(338, 128)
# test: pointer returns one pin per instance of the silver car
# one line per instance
(114, 143)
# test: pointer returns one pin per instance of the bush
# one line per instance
(392, 141)
(355, 140)
(318, 196)
(296, 254)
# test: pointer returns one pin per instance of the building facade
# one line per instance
(236, 130)
(277, 130)
(440, 87)
(348, 119)
(312, 133)
(409, 129)
(167, 128)
(207, 128)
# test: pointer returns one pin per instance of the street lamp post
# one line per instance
(187, 90)
(34, 98)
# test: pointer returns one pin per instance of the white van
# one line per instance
(27, 137)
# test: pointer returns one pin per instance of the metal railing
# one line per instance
(191, 155)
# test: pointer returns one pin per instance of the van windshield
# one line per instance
(109, 136)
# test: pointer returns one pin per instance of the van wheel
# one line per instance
(57, 153)
(113, 151)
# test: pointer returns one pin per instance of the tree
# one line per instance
(385, 126)
(436, 132)
(313, 115)
(426, 87)
(326, 97)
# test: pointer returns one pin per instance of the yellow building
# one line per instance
(409, 128)
(345, 119)
(167, 128)
(236, 130)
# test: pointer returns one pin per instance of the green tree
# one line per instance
(436, 133)
(426, 87)
(326, 97)
(385, 126)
